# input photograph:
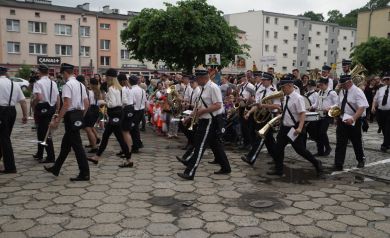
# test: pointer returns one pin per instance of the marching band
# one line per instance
(253, 107)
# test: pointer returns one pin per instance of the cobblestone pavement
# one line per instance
(149, 200)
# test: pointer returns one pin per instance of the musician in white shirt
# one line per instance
(139, 112)
(246, 93)
(325, 74)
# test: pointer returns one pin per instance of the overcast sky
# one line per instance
(231, 6)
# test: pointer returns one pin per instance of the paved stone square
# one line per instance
(149, 200)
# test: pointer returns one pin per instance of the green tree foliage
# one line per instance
(375, 4)
(24, 72)
(313, 16)
(373, 54)
(181, 35)
(334, 16)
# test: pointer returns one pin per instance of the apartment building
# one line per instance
(294, 41)
(375, 23)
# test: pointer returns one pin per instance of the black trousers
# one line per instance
(108, 130)
(383, 118)
(6, 150)
(72, 140)
(43, 126)
(245, 127)
(344, 133)
(188, 134)
(269, 142)
(322, 139)
(299, 146)
(135, 133)
(206, 136)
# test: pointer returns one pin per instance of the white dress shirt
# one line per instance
(356, 99)
(211, 94)
(379, 98)
(330, 84)
(5, 92)
(312, 96)
(128, 96)
(187, 91)
(91, 98)
(326, 99)
(75, 91)
(245, 90)
(115, 98)
(42, 86)
(194, 95)
(296, 105)
(139, 97)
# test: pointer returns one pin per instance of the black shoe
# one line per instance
(318, 154)
(246, 160)
(126, 165)
(88, 146)
(92, 160)
(223, 172)
(337, 168)
(141, 145)
(51, 170)
(327, 152)
(275, 172)
(271, 162)
(181, 160)
(119, 154)
(361, 164)
(80, 178)
(142, 129)
(8, 171)
(384, 149)
(98, 141)
(134, 151)
(213, 162)
(185, 176)
(379, 130)
(319, 168)
(35, 156)
(46, 161)
(92, 151)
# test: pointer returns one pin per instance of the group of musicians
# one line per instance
(262, 97)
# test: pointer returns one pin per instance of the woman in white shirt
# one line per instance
(114, 101)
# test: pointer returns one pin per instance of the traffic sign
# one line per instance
(48, 60)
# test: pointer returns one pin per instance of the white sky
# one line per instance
(294, 7)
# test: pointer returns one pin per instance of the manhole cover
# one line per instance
(261, 203)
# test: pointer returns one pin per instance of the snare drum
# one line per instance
(312, 116)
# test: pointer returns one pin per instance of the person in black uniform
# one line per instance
(353, 104)
(209, 130)
(73, 110)
(292, 122)
(382, 102)
(10, 94)
(46, 102)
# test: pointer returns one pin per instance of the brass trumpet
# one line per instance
(194, 119)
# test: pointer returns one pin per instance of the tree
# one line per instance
(334, 16)
(24, 72)
(313, 16)
(181, 35)
(375, 4)
(373, 54)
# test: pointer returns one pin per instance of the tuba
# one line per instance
(263, 131)
(262, 115)
(314, 74)
(334, 111)
(357, 74)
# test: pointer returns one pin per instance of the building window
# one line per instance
(332, 41)
(275, 48)
(345, 38)
(12, 12)
(294, 63)
(318, 45)
(37, 49)
(317, 57)
(344, 49)
(326, 28)
(303, 23)
(303, 37)
(351, 44)
(285, 55)
(309, 39)
(267, 20)
(295, 36)
(388, 35)
(62, 17)
(37, 14)
(318, 33)
(63, 30)
(64, 50)
(286, 28)
(294, 50)
(266, 47)
(332, 28)
(13, 47)
(331, 52)
(85, 51)
(325, 53)
(13, 25)
(104, 26)
(310, 27)
(276, 20)
(284, 68)
(301, 63)
(125, 54)
(309, 52)
(125, 24)
(308, 64)
(85, 31)
(85, 19)
(104, 44)
(266, 34)
(295, 23)
(276, 35)
(352, 32)
(285, 41)
(326, 41)
(37, 27)
(105, 60)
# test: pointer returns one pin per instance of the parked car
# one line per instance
(21, 82)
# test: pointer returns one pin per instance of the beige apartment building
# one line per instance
(375, 23)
